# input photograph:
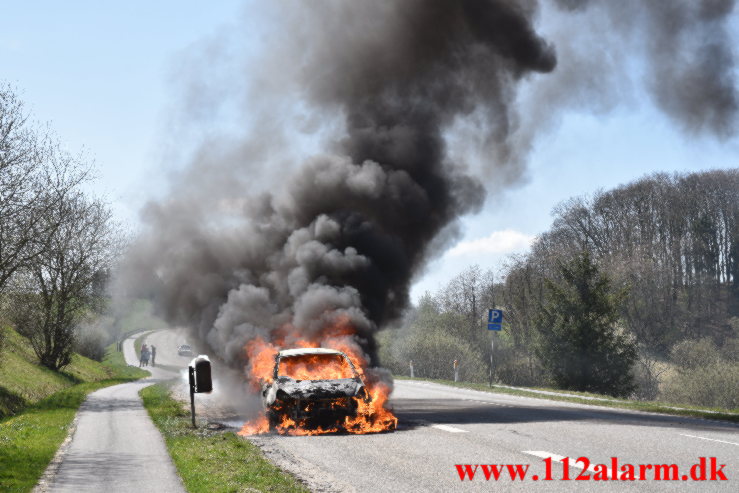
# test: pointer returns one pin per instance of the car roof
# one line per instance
(285, 353)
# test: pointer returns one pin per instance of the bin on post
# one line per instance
(201, 380)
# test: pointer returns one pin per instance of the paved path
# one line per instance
(116, 447)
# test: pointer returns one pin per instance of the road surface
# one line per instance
(115, 446)
(442, 426)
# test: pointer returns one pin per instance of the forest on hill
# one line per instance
(643, 278)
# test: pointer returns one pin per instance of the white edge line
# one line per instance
(710, 439)
(559, 458)
(450, 429)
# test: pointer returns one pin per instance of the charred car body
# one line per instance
(312, 388)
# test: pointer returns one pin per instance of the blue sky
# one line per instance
(102, 73)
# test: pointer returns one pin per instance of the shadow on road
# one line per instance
(413, 413)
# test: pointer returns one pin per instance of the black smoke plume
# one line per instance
(346, 234)
(343, 234)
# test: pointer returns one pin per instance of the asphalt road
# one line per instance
(115, 446)
(442, 426)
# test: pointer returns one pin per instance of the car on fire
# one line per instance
(313, 387)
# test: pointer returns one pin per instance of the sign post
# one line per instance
(191, 372)
(495, 323)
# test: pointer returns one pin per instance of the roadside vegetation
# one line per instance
(24, 382)
(633, 292)
(211, 460)
(600, 400)
(38, 405)
(59, 242)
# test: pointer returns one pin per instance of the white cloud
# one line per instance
(499, 242)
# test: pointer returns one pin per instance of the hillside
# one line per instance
(23, 381)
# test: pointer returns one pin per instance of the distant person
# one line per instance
(153, 355)
(144, 355)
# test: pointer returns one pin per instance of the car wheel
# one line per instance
(273, 420)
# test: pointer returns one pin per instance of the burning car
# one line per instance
(313, 388)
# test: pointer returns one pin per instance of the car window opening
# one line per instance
(315, 367)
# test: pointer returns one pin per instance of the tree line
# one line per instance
(57, 243)
(609, 299)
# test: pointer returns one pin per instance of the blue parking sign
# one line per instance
(495, 319)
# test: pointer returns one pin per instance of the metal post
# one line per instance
(192, 394)
(456, 370)
(492, 350)
(411, 365)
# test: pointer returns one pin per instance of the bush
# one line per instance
(518, 367)
(2, 343)
(690, 355)
(433, 357)
(703, 376)
(647, 373)
(716, 385)
(90, 341)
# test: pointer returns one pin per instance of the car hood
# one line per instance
(319, 389)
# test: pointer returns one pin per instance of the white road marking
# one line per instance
(711, 439)
(559, 458)
(450, 429)
(486, 402)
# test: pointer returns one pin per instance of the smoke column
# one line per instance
(347, 232)
(688, 52)
(344, 233)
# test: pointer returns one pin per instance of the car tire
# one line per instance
(272, 420)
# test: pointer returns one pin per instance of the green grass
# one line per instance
(29, 440)
(212, 461)
(115, 362)
(23, 382)
(647, 406)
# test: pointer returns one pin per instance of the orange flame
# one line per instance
(372, 415)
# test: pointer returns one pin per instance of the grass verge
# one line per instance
(29, 440)
(24, 382)
(212, 461)
(612, 402)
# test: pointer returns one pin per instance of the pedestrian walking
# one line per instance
(144, 356)
(153, 355)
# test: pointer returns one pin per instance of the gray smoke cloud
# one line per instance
(688, 52)
(341, 235)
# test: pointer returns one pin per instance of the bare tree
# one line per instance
(35, 176)
(60, 281)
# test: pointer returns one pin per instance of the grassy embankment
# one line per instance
(597, 400)
(212, 461)
(37, 406)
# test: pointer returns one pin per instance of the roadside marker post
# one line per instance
(495, 323)
(456, 370)
(191, 372)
